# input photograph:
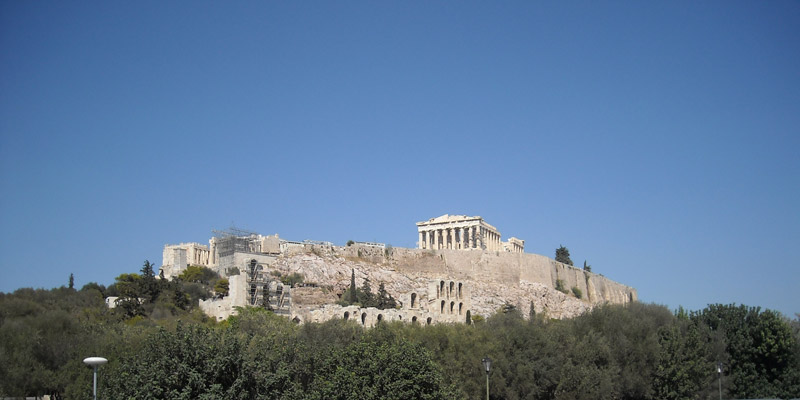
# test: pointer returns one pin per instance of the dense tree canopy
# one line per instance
(169, 350)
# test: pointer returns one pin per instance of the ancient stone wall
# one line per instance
(511, 269)
(427, 283)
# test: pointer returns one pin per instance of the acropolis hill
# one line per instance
(461, 269)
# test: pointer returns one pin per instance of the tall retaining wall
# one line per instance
(499, 267)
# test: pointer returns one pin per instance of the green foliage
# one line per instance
(560, 286)
(221, 287)
(198, 274)
(760, 350)
(292, 279)
(71, 281)
(684, 362)
(365, 296)
(384, 299)
(587, 267)
(350, 243)
(636, 351)
(577, 292)
(94, 286)
(562, 255)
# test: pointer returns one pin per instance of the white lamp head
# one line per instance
(94, 361)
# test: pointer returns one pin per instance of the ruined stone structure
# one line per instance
(251, 284)
(442, 302)
(179, 256)
(438, 283)
(224, 250)
(460, 232)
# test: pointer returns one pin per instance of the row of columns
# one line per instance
(458, 238)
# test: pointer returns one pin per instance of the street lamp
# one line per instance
(719, 374)
(487, 365)
(95, 362)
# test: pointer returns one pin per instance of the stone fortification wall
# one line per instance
(493, 278)
(421, 280)
(511, 269)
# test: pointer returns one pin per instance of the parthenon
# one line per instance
(460, 232)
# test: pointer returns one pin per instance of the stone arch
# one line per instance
(380, 317)
(363, 318)
(460, 306)
(414, 320)
(441, 289)
(428, 321)
(452, 306)
(413, 300)
(459, 289)
(346, 315)
(450, 292)
(630, 297)
(442, 308)
(296, 320)
(469, 318)
(400, 317)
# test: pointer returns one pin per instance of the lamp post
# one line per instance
(487, 365)
(95, 362)
(719, 375)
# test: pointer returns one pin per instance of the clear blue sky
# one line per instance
(657, 140)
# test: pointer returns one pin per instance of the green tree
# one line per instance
(684, 362)
(149, 288)
(759, 347)
(353, 289)
(198, 274)
(406, 372)
(221, 287)
(129, 303)
(292, 279)
(562, 255)
(365, 296)
(586, 267)
(71, 281)
(385, 300)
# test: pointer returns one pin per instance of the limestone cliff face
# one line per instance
(492, 278)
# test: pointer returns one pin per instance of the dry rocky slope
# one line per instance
(493, 278)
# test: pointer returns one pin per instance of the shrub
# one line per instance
(560, 286)
(577, 292)
(292, 279)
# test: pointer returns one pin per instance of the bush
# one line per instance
(577, 292)
(560, 286)
(292, 279)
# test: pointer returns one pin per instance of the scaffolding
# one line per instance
(235, 240)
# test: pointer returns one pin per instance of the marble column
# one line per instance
(421, 241)
(472, 236)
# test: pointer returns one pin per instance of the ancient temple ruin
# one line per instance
(460, 232)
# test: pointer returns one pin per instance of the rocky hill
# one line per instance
(492, 278)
